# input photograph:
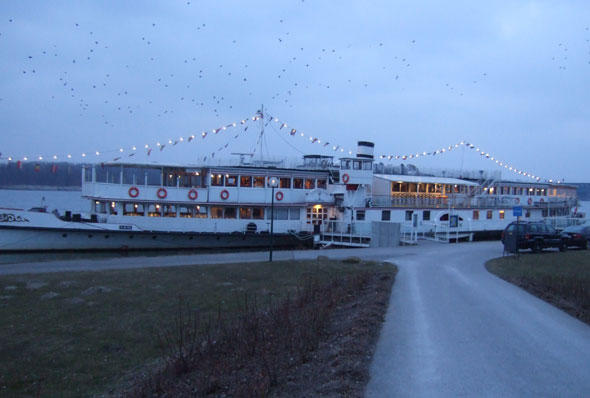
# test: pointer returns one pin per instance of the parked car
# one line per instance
(577, 235)
(532, 235)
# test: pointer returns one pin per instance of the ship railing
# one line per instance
(491, 202)
(432, 201)
(565, 202)
(436, 231)
(408, 201)
(462, 201)
(342, 233)
(409, 235)
(561, 223)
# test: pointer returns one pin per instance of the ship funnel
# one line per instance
(365, 149)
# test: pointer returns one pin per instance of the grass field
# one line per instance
(563, 279)
(85, 333)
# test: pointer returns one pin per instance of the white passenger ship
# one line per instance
(349, 202)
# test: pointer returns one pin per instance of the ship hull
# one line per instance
(16, 239)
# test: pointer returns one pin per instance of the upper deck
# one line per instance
(200, 185)
(427, 191)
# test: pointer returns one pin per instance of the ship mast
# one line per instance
(261, 131)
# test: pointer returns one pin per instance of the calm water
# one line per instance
(61, 200)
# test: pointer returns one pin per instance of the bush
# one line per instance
(244, 356)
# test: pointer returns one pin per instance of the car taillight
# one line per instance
(527, 236)
(577, 236)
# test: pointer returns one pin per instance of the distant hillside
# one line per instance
(583, 190)
(38, 174)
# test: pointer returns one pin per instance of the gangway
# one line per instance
(410, 232)
(339, 233)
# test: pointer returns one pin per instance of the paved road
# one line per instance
(14, 264)
(453, 329)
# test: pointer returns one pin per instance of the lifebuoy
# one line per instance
(517, 200)
(345, 178)
(279, 196)
(530, 201)
(224, 194)
(162, 193)
(133, 192)
(193, 194)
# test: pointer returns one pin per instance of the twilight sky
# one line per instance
(511, 77)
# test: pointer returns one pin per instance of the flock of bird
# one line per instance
(143, 82)
(79, 77)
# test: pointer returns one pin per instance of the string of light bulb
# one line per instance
(293, 132)
(99, 155)
(500, 163)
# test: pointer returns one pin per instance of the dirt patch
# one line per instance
(340, 365)
(317, 343)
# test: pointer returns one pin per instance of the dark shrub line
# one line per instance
(244, 355)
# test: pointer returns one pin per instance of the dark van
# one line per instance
(531, 235)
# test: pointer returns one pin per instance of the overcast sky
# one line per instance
(511, 77)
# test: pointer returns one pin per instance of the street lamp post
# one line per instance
(273, 182)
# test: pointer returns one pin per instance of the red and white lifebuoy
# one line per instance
(279, 196)
(193, 194)
(224, 194)
(517, 200)
(345, 178)
(530, 201)
(162, 193)
(133, 192)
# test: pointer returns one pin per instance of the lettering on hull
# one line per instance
(9, 217)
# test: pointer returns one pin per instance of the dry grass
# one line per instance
(562, 279)
(247, 354)
(88, 340)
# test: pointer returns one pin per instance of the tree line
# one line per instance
(59, 174)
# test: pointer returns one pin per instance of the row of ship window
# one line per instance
(426, 188)
(170, 210)
(193, 178)
(489, 214)
(226, 180)
(445, 217)
(519, 191)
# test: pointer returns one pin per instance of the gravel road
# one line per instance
(453, 329)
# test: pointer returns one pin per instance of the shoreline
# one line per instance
(40, 188)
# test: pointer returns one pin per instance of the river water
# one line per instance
(60, 200)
